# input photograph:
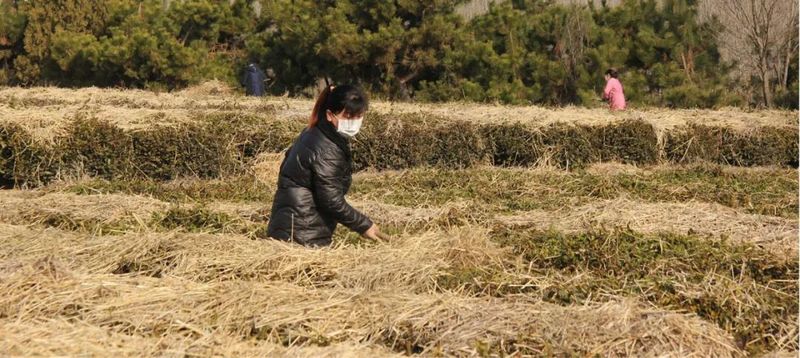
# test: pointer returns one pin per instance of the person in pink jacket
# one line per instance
(613, 92)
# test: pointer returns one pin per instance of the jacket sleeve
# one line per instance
(327, 181)
(607, 91)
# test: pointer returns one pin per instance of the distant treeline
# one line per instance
(519, 52)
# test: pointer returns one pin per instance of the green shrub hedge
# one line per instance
(223, 143)
(761, 146)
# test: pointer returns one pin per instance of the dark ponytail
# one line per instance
(349, 98)
(613, 72)
(319, 106)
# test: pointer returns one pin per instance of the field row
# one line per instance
(474, 250)
(754, 205)
(413, 290)
(119, 213)
(246, 318)
(46, 108)
(219, 144)
(764, 191)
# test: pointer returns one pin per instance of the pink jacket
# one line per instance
(613, 93)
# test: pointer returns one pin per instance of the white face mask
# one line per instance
(349, 127)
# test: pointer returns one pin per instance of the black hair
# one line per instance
(352, 99)
(612, 72)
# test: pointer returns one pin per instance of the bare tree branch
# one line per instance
(760, 37)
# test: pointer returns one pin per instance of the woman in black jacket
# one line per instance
(317, 172)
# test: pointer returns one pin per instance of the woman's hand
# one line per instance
(375, 234)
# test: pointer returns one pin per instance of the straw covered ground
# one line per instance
(108, 248)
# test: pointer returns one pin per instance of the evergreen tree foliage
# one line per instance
(519, 52)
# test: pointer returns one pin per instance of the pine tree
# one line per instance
(43, 19)
(12, 26)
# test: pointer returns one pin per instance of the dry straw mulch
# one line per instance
(69, 337)
(120, 212)
(414, 264)
(777, 234)
(177, 309)
(214, 95)
(203, 285)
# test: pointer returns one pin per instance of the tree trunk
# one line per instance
(791, 49)
(688, 64)
(785, 79)
(765, 88)
(405, 92)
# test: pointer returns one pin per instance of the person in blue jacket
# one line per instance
(253, 80)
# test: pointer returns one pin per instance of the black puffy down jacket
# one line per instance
(309, 202)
